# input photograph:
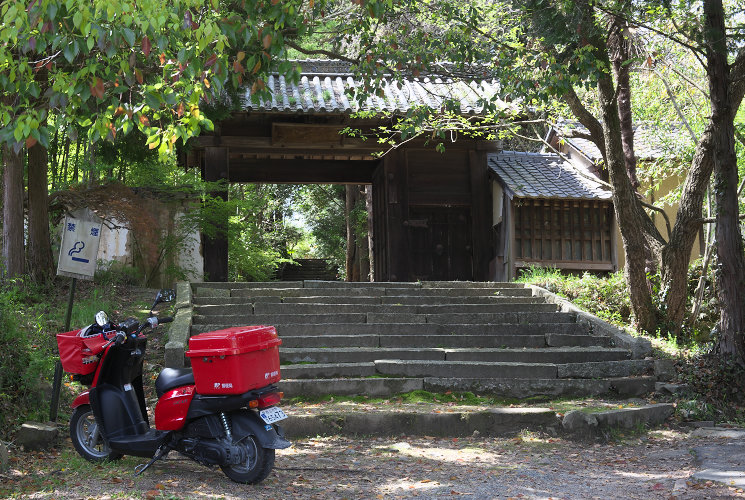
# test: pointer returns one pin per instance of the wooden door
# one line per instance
(439, 240)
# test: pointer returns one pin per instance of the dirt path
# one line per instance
(655, 466)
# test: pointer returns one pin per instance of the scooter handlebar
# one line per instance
(167, 319)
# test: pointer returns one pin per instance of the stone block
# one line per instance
(580, 424)
(36, 436)
(603, 369)
(178, 338)
(183, 295)
(664, 369)
(212, 292)
(628, 418)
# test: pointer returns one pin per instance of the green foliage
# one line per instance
(25, 357)
(606, 297)
(262, 233)
(115, 273)
(323, 207)
(113, 68)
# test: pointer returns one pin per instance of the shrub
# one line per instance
(23, 362)
(604, 296)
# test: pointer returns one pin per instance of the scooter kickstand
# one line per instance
(162, 451)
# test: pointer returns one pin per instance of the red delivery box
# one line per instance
(235, 360)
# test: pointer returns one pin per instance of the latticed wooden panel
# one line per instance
(563, 233)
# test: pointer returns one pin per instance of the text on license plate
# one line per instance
(271, 415)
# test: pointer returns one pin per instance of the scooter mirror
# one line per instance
(101, 318)
(167, 295)
(163, 295)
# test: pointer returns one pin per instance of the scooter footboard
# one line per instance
(247, 422)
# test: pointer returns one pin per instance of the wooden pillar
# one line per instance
(379, 244)
(395, 180)
(216, 249)
(481, 215)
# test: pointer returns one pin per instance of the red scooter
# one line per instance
(219, 412)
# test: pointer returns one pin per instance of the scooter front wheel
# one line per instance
(258, 464)
(86, 436)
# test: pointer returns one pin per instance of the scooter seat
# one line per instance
(170, 378)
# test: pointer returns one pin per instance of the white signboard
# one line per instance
(81, 234)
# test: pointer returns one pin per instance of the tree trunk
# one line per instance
(628, 210)
(370, 215)
(13, 254)
(676, 253)
(352, 261)
(619, 45)
(730, 274)
(39, 241)
(363, 246)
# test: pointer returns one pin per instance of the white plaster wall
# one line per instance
(190, 257)
(114, 245)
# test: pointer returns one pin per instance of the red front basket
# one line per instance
(235, 360)
(79, 355)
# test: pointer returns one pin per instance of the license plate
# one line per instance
(271, 415)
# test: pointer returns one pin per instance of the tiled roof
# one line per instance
(651, 141)
(542, 175)
(327, 86)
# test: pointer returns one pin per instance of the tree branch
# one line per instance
(320, 52)
(713, 220)
(585, 118)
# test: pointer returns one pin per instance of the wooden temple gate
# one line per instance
(431, 211)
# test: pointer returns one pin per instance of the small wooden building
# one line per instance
(547, 213)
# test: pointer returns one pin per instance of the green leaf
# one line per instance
(129, 35)
(69, 52)
(77, 19)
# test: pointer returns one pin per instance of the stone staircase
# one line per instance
(307, 269)
(379, 339)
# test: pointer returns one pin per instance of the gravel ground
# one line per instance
(656, 465)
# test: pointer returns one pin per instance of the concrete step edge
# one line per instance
(486, 423)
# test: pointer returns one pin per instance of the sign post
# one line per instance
(81, 235)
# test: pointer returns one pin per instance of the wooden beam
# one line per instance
(576, 265)
(302, 171)
(257, 144)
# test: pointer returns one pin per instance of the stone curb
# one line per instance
(180, 330)
(640, 348)
(590, 425)
(495, 422)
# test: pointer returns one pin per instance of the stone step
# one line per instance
(309, 292)
(373, 291)
(408, 329)
(456, 369)
(471, 284)
(246, 284)
(392, 300)
(443, 300)
(309, 342)
(284, 308)
(264, 319)
(328, 370)
(550, 355)
(506, 388)
(442, 341)
(247, 318)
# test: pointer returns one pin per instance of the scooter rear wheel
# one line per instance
(257, 467)
(87, 439)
